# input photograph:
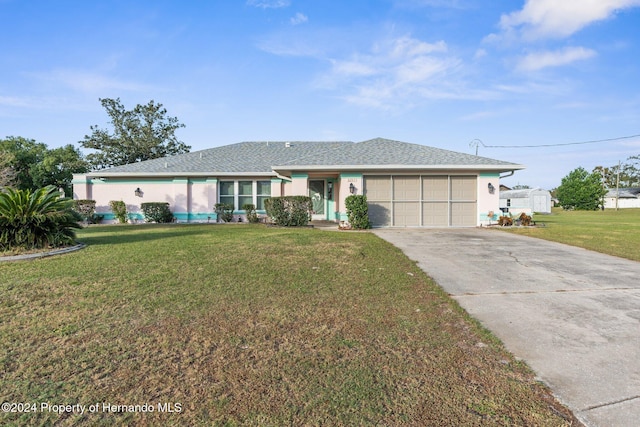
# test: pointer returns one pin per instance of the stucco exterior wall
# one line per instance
(488, 202)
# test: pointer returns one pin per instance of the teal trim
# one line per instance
(331, 203)
(350, 175)
(489, 175)
(276, 180)
(300, 175)
(342, 216)
(132, 181)
(180, 180)
(212, 180)
(485, 216)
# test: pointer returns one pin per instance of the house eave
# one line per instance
(98, 174)
(396, 167)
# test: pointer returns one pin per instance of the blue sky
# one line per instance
(432, 72)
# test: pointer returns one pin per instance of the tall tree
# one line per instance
(32, 165)
(581, 190)
(26, 153)
(144, 133)
(7, 173)
(57, 168)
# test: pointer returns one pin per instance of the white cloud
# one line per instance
(269, 4)
(90, 82)
(299, 18)
(539, 60)
(560, 18)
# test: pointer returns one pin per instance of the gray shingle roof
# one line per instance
(260, 157)
(386, 152)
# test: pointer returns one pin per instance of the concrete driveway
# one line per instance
(573, 315)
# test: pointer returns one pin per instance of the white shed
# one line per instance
(622, 198)
(527, 200)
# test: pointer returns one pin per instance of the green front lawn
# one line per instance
(611, 232)
(249, 325)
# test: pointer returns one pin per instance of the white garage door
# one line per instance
(421, 200)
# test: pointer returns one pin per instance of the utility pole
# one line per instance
(618, 185)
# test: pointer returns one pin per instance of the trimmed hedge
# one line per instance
(158, 212)
(358, 211)
(289, 211)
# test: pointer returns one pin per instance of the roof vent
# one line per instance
(287, 144)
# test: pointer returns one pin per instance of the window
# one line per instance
(226, 192)
(263, 193)
(239, 193)
(245, 193)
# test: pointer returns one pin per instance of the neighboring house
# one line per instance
(622, 198)
(526, 200)
(405, 184)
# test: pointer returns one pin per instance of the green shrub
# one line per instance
(119, 209)
(36, 219)
(224, 211)
(250, 211)
(158, 212)
(86, 209)
(358, 211)
(289, 211)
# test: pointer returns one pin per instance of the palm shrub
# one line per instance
(36, 219)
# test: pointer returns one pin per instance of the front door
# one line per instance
(318, 199)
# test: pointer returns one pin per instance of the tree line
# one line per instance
(142, 133)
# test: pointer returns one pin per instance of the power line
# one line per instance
(476, 141)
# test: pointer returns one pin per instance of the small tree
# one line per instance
(581, 190)
(119, 209)
(358, 211)
(250, 212)
(224, 211)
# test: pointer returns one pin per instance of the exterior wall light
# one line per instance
(352, 188)
(138, 192)
(491, 188)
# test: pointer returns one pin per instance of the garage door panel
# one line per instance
(380, 213)
(378, 188)
(435, 214)
(406, 188)
(463, 188)
(406, 214)
(435, 188)
(463, 214)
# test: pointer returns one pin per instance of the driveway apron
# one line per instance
(571, 314)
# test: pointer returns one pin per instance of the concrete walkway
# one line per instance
(573, 315)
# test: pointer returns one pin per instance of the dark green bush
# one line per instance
(289, 211)
(224, 211)
(358, 211)
(158, 212)
(86, 209)
(250, 212)
(35, 220)
(119, 209)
